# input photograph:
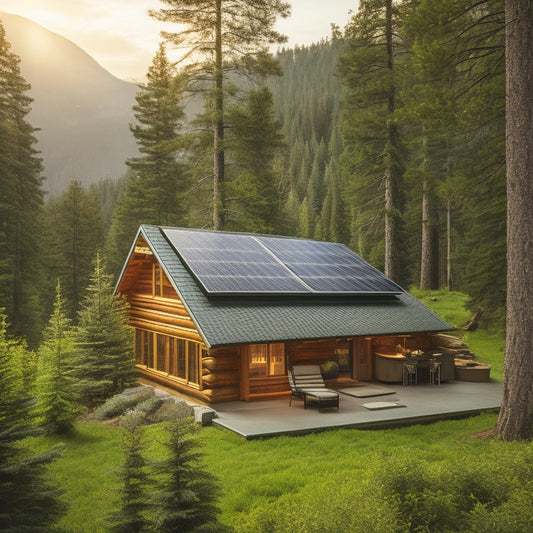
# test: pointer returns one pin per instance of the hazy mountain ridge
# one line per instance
(83, 112)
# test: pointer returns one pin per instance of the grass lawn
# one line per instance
(435, 477)
(332, 481)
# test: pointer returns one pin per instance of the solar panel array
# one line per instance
(230, 263)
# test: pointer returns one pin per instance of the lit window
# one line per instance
(267, 360)
(179, 358)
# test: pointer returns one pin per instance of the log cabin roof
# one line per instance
(227, 317)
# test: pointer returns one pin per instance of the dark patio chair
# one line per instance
(307, 384)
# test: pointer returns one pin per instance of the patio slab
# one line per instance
(420, 404)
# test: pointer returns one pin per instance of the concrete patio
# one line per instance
(416, 404)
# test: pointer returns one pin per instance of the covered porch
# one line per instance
(398, 405)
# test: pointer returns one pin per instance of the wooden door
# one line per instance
(362, 358)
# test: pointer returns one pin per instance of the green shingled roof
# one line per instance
(234, 319)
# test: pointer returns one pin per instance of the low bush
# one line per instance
(171, 410)
(464, 496)
(120, 403)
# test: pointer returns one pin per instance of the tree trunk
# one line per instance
(516, 415)
(429, 264)
(392, 252)
(218, 127)
(449, 281)
(393, 185)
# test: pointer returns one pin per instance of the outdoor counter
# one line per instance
(389, 366)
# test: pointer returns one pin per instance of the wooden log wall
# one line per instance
(269, 387)
(312, 352)
(165, 315)
(220, 374)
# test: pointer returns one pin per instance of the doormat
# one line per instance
(376, 406)
(365, 392)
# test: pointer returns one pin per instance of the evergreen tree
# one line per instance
(27, 500)
(431, 107)
(186, 497)
(374, 153)
(479, 174)
(75, 233)
(57, 405)
(103, 361)
(131, 515)
(516, 416)
(156, 180)
(221, 40)
(21, 201)
(253, 203)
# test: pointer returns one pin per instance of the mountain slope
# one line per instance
(83, 112)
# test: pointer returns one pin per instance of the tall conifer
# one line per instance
(21, 201)
(103, 362)
(57, 405)
(75, 233)
(255, 147)
(374, 153)
(28, 502)
(156, 179)
(222, 40)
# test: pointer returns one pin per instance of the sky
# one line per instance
(121, 36)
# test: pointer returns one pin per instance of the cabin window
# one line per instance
(162, 351)
(267, 360)
(182, 362)
(172, 356)
(157, 280)
(139, 351)
(148, 349)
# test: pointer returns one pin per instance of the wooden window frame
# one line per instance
(158, 352)
(274, 360)
(157, 280)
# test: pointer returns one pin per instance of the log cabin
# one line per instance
(222, 316)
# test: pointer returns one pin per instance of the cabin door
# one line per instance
(362, 358)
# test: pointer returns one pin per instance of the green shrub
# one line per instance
(329, 369)
(148, 406)
(484, 495)
(171, 410)
(120, 403)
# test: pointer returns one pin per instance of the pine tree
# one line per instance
(103, 361)
(515, 421)
(28, 502)
(75, 233)
(255, 144)
(374, 152)
(134, 498)
(156, 180)
(21, 201)
(57, 405)
(431, 107)
(222, 40)
(185, 500)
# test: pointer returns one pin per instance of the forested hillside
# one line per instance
(425, 108)
(392, 145)
(81, 110)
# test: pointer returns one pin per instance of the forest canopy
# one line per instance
(388, 137)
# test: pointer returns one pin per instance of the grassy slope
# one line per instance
(324, 482)
(488, 347)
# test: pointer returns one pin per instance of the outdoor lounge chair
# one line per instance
(306, 383)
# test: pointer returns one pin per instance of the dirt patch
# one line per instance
(486, 434)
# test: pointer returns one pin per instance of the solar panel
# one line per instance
(230, 263)
(329, 267)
